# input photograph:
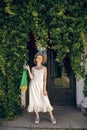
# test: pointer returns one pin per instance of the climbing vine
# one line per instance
(56, 24)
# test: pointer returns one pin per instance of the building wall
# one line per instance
(80, 85)
(79, 92)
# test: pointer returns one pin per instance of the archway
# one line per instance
(61, 85)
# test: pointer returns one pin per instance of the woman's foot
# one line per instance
(37, 120)
(53, 121)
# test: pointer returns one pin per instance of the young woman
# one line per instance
(38, 98)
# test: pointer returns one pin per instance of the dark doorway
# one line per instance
(61, 81)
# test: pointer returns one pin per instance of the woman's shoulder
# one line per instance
(45, 68)
(35, 67)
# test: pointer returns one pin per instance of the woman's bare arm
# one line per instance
(45, 81)
(31, 74)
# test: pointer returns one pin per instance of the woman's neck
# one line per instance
(39, 65)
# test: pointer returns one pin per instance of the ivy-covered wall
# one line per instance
(57, 24)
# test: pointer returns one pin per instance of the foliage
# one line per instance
(14, 39)
(85, 86)
(63, 25)
(56, 24)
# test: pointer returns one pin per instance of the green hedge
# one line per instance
(10, 77)
(13, 43)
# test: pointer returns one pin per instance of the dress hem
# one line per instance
(39, 109)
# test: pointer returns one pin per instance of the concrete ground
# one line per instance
(68, 118)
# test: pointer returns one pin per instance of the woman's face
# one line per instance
(39, 59)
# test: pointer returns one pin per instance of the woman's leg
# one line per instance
(51, 114)
(37, 120)
(37, 115)
(53, 120)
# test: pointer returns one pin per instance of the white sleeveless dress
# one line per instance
(37, 101)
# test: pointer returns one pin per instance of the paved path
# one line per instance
(67, 118)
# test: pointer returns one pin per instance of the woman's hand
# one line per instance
(44, 92)
(29, 71)
(27, 67)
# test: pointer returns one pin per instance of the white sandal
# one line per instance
(37, 120)
(53, 121)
